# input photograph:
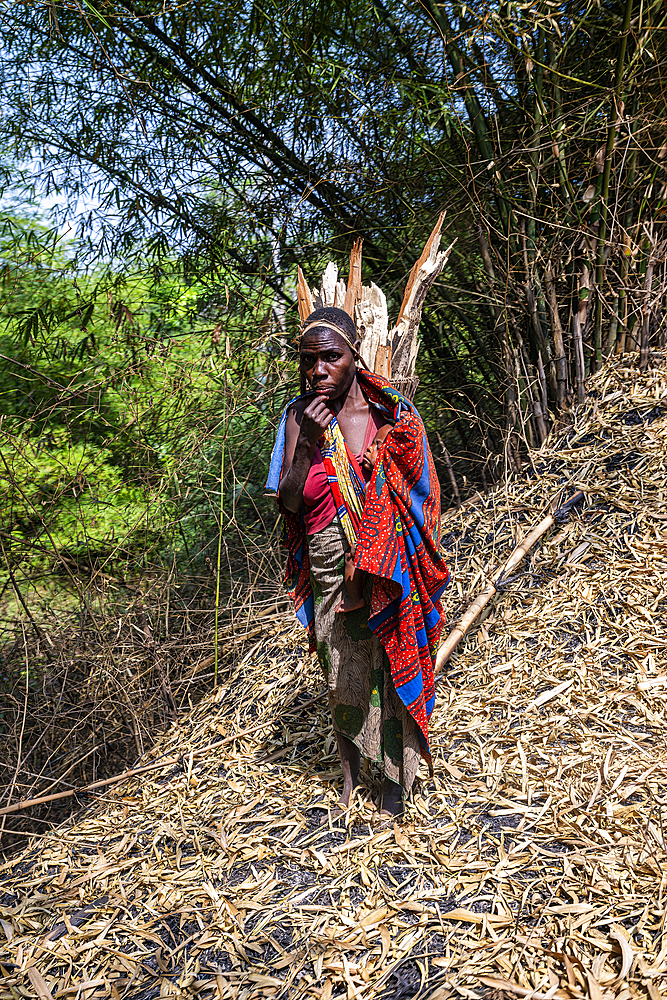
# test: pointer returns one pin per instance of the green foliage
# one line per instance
(90, 507)
(113, 418)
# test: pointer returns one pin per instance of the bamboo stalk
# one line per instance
(559, 340)
(217, 572)
(614, 114)
(483, 598)
(623, 297)
(613, 328)
(659, 311)
(543, 386)
(578, 324)
(450, 472)
(499, 315)
(559, 137)
(534, 401)
(536, 145)
(646, 318)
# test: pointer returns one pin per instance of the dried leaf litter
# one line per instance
(532, 865)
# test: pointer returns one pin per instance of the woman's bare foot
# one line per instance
(391, 804)
(350, 604)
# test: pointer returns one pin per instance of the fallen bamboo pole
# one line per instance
(483, 598)
(41, 800)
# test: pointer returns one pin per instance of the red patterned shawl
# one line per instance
(398, 543)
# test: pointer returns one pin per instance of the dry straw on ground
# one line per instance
(532, 865)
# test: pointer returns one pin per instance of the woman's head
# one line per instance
(328, 351)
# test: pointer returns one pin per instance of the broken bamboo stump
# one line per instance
(389, 352)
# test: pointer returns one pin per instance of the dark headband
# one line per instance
(336, 329)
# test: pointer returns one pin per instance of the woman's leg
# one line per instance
(349, 759)
(392, 798)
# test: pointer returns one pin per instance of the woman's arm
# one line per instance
(302, 432)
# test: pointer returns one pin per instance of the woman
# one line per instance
(378, 668)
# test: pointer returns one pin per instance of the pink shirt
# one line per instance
(319, 506)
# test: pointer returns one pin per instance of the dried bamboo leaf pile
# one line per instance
(532, 865)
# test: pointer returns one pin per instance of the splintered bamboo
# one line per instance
(483, 598)
(389, 352)
(304, 298)
(353, 293)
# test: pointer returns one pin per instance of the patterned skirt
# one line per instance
(364, 705)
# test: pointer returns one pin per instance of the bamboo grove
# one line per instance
(250, 136)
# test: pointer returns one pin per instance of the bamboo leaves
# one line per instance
(531, 862)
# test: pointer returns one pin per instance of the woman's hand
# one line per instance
(301, 436)
(316, 418)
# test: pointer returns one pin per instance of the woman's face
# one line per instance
(327, 363)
